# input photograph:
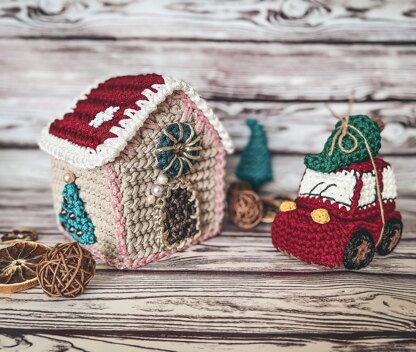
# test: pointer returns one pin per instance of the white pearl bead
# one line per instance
(157, 190)
(69, 177)
(150, 199)
(162, 179)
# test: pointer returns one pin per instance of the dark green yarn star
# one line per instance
(255, 165)
(324, 162)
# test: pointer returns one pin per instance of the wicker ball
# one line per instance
(66, 270)
(245, 209)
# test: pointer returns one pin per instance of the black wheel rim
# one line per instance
(359, 251)
(391, 237)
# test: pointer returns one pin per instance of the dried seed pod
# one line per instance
(22, 234)
(270, 209)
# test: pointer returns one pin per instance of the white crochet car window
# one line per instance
(389, 184)
(337, 187)
(368, 191)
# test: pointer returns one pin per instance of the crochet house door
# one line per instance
(179, 216)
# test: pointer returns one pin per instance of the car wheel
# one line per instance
(359, 251)
(391, 236)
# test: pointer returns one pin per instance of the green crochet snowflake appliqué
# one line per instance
(178, 149)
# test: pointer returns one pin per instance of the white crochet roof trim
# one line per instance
(88, 158)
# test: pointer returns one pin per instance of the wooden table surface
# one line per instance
(278, 61)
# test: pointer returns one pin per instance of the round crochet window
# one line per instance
(178, 149)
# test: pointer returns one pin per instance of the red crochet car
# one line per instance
(336, 219)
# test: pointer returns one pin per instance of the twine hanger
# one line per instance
(343, 130)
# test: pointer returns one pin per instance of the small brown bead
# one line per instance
(71, 229)
(65, 201)
(79, 233)
(63, 212)
(72, 216)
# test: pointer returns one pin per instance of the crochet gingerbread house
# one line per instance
(138, 169)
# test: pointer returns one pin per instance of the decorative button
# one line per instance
(287, 205)
(320, 216)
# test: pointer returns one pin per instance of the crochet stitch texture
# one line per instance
(121, 171)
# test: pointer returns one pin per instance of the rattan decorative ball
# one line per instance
(66, 270)
(245, 209)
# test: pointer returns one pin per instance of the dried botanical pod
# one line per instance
(22, 234)
(245, 209)
(270, 209)
(18, 264)
(66, 270)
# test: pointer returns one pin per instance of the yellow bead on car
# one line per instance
(288, 205)
(320, 216)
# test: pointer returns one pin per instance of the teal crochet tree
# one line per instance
(73, 217)
(255, 166)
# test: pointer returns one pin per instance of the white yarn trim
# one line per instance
(104, 116)
(88, 158)
(337, 187)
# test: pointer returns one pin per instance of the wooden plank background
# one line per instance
(278, 61)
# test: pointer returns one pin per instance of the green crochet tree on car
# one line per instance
(255, 166)
(333, 156)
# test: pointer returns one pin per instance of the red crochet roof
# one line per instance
(122, 92)
(103, 121)
(365, 166)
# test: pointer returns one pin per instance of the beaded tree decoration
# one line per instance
(73, 217)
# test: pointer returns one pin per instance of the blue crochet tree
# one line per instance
(73, 217)
(255, 166)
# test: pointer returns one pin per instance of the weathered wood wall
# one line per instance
(278, 61)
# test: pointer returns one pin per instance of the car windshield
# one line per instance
(337, 187)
